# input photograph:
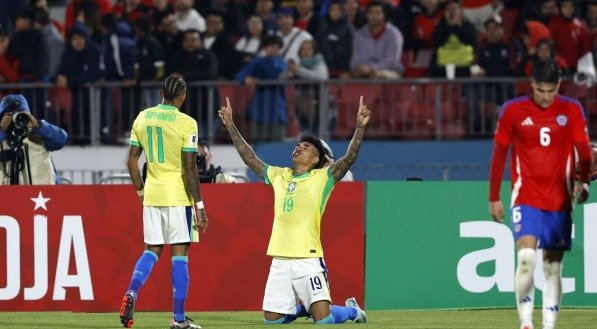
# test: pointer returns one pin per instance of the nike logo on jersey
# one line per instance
(527, 122)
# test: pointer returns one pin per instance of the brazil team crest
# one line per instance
(291, 187)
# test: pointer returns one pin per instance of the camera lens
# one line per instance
(20, 120)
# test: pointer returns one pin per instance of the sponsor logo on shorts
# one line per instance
(517, 228)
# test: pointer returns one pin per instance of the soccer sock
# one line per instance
(180, 283)
(341, 314)
(524, 286)
(552, 293)
(301, 311)
(327, 320)
(142, 271)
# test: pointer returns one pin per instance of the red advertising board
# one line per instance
(74, 248)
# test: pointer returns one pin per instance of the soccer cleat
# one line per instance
(526, 326)
(361, 316)
(127, 308)
(186, 324)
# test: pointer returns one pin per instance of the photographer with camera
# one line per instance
(25, 144)
(208, 173)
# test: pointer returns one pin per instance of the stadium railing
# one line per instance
(410, 109)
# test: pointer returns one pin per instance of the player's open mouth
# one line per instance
(296, 153)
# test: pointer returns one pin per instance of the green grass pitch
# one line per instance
(427, 319)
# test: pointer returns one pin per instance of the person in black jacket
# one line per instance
(335, 39)
(216, 39)
(195, 63)
(79, 65)
(150, 60)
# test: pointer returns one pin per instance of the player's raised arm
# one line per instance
(133, 166)
(242, 147)
(340, 167)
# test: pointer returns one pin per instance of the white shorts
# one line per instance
(291, 280)
(167, 225)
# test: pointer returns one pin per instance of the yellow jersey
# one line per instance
(163, 132)
(299, 203)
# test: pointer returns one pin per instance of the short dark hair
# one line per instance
(172, 86)
(272, 40)
(144, 23)
(319, 146)
(546, 72)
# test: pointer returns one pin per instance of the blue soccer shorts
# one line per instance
(552, 228)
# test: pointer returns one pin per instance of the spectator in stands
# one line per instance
(150, 60)
(233, 13)
(119, 56)
(291, 35)
(248, 46)
(195, 63)
(40, 137)
(43, 5)
(217, 39)
(79, 65)
(396, 15)
(187, 17)
(9, 72)
(493, 60)
(377, 47)
(591, 16)
(541, 11)
(546, 50)
(355, 16)
(424, 24)
(526, 36)
(570, 34)
(265, 10)
(479, 11)
(306, 18)
(8, 8)
(53, 37)
(30, 48)
(266, 111)
(494, 56)
(311, 66)
(455, 40)
(335, 39)
(129, 10)
(168, 35)
(86, 11)
(160, 9)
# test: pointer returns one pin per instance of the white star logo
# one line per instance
(40, 201)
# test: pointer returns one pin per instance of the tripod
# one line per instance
(20, 159)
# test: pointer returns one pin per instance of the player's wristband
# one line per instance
(141, 192)
(200, 205)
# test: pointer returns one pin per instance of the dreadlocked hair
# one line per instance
(319, 146)
(172, 86)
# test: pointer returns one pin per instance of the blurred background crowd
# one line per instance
(135, 43)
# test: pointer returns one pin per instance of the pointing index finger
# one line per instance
(227, 103)
(361, 101)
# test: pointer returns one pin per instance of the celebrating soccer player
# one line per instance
(544, 130)
(170, 193)
(300, 194)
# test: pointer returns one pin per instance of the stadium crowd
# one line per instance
(135, 41)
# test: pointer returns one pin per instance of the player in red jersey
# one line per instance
(544, 129)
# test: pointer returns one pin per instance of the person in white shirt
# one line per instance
(187, 17)
(291, 35)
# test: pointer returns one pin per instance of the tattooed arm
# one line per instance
(244, 150)
(340, 167)
(133, 166)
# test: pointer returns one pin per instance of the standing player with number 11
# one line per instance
(544, 129)
(170, 195)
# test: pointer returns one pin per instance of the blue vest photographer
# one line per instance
(25, 144)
